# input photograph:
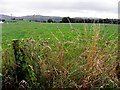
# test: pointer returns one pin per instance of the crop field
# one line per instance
(59, 55)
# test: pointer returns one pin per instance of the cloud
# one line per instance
(49, 7)
(73, 6)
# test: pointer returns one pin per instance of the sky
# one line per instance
(63, 8)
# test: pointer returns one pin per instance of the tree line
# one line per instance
(76, 20)
(89, 20)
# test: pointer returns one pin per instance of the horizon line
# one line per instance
(55, 16)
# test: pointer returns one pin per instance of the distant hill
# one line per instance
(6, 17)
(58, 19)
(32, 17)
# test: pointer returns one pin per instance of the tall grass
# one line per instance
(82, 61)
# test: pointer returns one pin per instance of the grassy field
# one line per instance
(59, 55)
(26, 29)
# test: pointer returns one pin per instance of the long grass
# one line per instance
(84, 60)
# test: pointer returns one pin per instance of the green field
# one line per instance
(26, 29)
(59, 55)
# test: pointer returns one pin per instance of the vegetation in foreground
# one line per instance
(82, 60)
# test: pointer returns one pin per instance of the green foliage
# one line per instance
(50, 20)
(71, 56)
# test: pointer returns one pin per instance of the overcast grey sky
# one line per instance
(72, 8)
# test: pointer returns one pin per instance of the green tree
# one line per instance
(50, 20)
(66, 19)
